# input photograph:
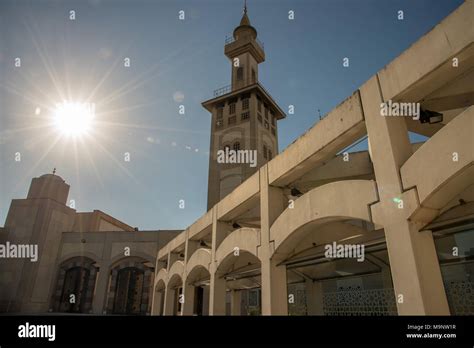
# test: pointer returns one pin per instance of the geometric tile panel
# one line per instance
(460, 297)
(356, 301)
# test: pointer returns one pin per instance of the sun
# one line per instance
(74, 118)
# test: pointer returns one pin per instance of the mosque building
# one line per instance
(313, 230)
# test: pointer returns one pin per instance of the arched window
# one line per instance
(129, 291)
(264, 151)
(236, 146)
(76, 281)
(269, 154)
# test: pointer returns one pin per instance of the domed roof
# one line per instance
(245, 26)
(51, 177)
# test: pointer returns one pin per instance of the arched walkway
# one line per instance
(335, 257)
(238, 274)
(201, 257)
(453, 235)
(444, 165)
(161, 276)
(241, 240)
(159, 296)
(174, 289)
(330, 202)
(196, 288)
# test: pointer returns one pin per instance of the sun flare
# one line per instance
(74, 119)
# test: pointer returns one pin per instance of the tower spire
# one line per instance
(245, 19)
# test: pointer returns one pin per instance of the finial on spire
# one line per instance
(245, 19)
(54, 171)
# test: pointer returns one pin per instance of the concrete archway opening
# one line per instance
(159, 298)
(453, 235)
(174, 292)
(337, 267)
(197, 282)
(241, 272)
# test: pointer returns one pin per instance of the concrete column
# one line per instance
(314, 297)
(414, 264)
(217, 290)
(99, 302)
(274, 282)
(158, 296)
(235, 302)
(188, 305)
(169, 305)
(188, 290)
(169, 301)
(100, 296)
(217, 295)
(274, 289)
(158, 303)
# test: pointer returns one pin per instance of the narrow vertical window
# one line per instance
(240, 73)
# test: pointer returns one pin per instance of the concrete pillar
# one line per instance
(414, 264)
(274, 283)
(217, 284)
(158, 303)
(217, 295)
(188, 290)
(314, 297)
(169, 302)
(158, 296)
(170, 298)
(99, 301)
(235, 302)
(188, 305)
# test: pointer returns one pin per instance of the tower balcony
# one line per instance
(221, 94)
(222, 90)
(230, 39)
(234, 47)
(228, 89)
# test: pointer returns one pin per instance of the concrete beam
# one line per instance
(339, 129)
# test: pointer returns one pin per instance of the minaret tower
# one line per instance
(244, 115)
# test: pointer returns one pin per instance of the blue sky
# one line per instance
(173, 62)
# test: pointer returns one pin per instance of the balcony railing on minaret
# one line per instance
(223, 90)
(227, 89)
(229, 39)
